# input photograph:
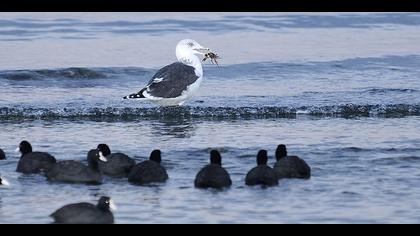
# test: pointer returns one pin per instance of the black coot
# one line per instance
(262, 174)
(290, 166)
(77, 172)
(149, 171)
(86, 213)
(213, 175)
(33, 162)
(117, 165)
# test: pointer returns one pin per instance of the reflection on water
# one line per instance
(177, 128)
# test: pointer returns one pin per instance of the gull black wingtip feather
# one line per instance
(138, 95)
(134, 96)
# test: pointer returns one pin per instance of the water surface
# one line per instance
(340, 89)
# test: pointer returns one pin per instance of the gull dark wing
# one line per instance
(169, 82)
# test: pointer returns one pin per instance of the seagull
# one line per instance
(173, 84)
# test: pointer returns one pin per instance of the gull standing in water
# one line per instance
(175, 83)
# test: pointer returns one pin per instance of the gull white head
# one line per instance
(187, 51)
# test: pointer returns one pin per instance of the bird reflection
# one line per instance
(176, 127)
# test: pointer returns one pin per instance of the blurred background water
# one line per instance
(341, 90)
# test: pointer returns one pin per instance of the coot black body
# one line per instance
(86, 213)
(117, 165)
(149, 171)
(213, 175)
(262, 174)
(34, 162)
(290, 166)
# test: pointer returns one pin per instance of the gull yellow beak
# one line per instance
(203, 50)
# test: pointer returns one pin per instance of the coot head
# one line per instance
(262, 157)
(24, 147)
(281, 151)
(106, 204)
(215, 157)
(156, 156)
(93, 158)
(104, 150)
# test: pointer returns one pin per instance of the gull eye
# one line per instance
(191, 44)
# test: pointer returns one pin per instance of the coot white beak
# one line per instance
(17, 149)
(102, 157)
(112, 205)
(4, 182)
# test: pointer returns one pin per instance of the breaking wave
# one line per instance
(128, 113)
(72, 73)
